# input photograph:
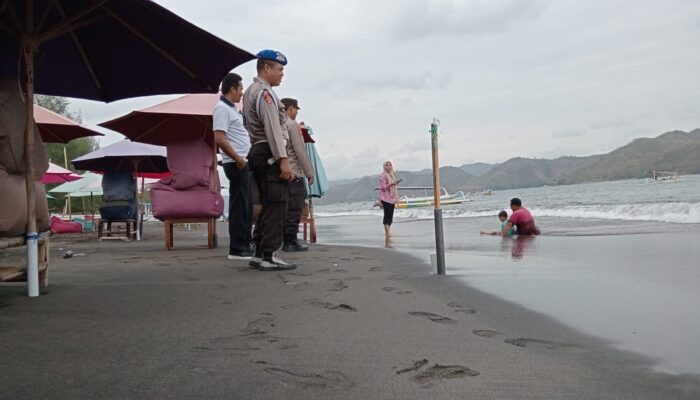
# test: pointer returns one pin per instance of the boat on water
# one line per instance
(664, 177)
(427, 200)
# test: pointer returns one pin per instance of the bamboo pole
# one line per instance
(65, 165)
(29, 46)
(439, 239)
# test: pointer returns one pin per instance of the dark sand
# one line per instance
(133, 321)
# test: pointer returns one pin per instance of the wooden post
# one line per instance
(439, 239)
(30, 47)
(65, 165)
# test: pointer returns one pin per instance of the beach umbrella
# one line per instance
(56, 174)
(90, 184)
(186, 118)
(320, 186)
(103, 50)
(55, 128)
(145, 160)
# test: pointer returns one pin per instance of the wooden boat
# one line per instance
(427, 200)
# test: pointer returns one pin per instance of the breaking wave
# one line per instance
(675, 212)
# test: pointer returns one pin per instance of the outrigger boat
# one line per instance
(664, 177)
(446, 199)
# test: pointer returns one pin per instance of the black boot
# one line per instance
(293, 245)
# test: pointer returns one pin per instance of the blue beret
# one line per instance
(272, 55)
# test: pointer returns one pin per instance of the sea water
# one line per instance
(617, 260)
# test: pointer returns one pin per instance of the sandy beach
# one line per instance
(133, 321)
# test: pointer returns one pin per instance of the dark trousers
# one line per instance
(388, 212)
(240, 207)
(297, 194)
(274, 196)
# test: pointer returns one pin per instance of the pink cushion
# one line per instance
(170, 203)
(59, 226)
(190, 162)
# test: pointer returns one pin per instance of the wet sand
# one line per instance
(131, 320)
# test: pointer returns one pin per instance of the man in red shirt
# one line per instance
(521, 219)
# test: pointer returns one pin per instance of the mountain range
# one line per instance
(672, 151)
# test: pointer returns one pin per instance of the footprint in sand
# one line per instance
(415, 367)
(311, 380)
(242, 348)
(396, 290)
(461, 307)
(330, 306)
(485, 333)
(439, 319)
(338, 286)
(279, 278)
(433, 375)
(259, 326)
(544, 344)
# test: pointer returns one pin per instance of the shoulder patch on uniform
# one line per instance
(267, 97)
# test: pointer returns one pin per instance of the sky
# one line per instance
(505, 78)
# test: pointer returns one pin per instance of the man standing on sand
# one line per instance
(265, 120)
(233, 140)
(301, 165)
(521, 219)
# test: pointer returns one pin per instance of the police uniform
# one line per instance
(265, 121)
(301, 166)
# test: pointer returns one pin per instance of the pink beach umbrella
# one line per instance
(56, 174)
(55, 128)
(186, 118)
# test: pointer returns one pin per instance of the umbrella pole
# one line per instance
(29, 47)
(65, 164)
(92, 212)
(136, 198)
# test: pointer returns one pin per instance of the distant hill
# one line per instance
(673, 151)
(477, 169)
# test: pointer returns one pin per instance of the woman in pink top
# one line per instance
(388, 195)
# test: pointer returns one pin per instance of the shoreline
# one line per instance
(190, 324)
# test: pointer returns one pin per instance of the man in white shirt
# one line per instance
(234, 142)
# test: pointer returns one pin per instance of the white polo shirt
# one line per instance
(228, 119)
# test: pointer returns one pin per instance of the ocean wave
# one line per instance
(675, 212)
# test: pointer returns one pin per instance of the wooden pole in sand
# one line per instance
(439, 239)
(30, 45)
(65, 165)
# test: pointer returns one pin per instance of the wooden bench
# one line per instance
(105, 230)
(18, 273)
(211, 230)
(308, 220)
(311, 223)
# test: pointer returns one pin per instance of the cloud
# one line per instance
(569, 133)
(372, 81)
(424, 18)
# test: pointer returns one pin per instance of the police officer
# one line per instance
(301, 166)
(265, 121)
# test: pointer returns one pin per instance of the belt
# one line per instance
(260, 142)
